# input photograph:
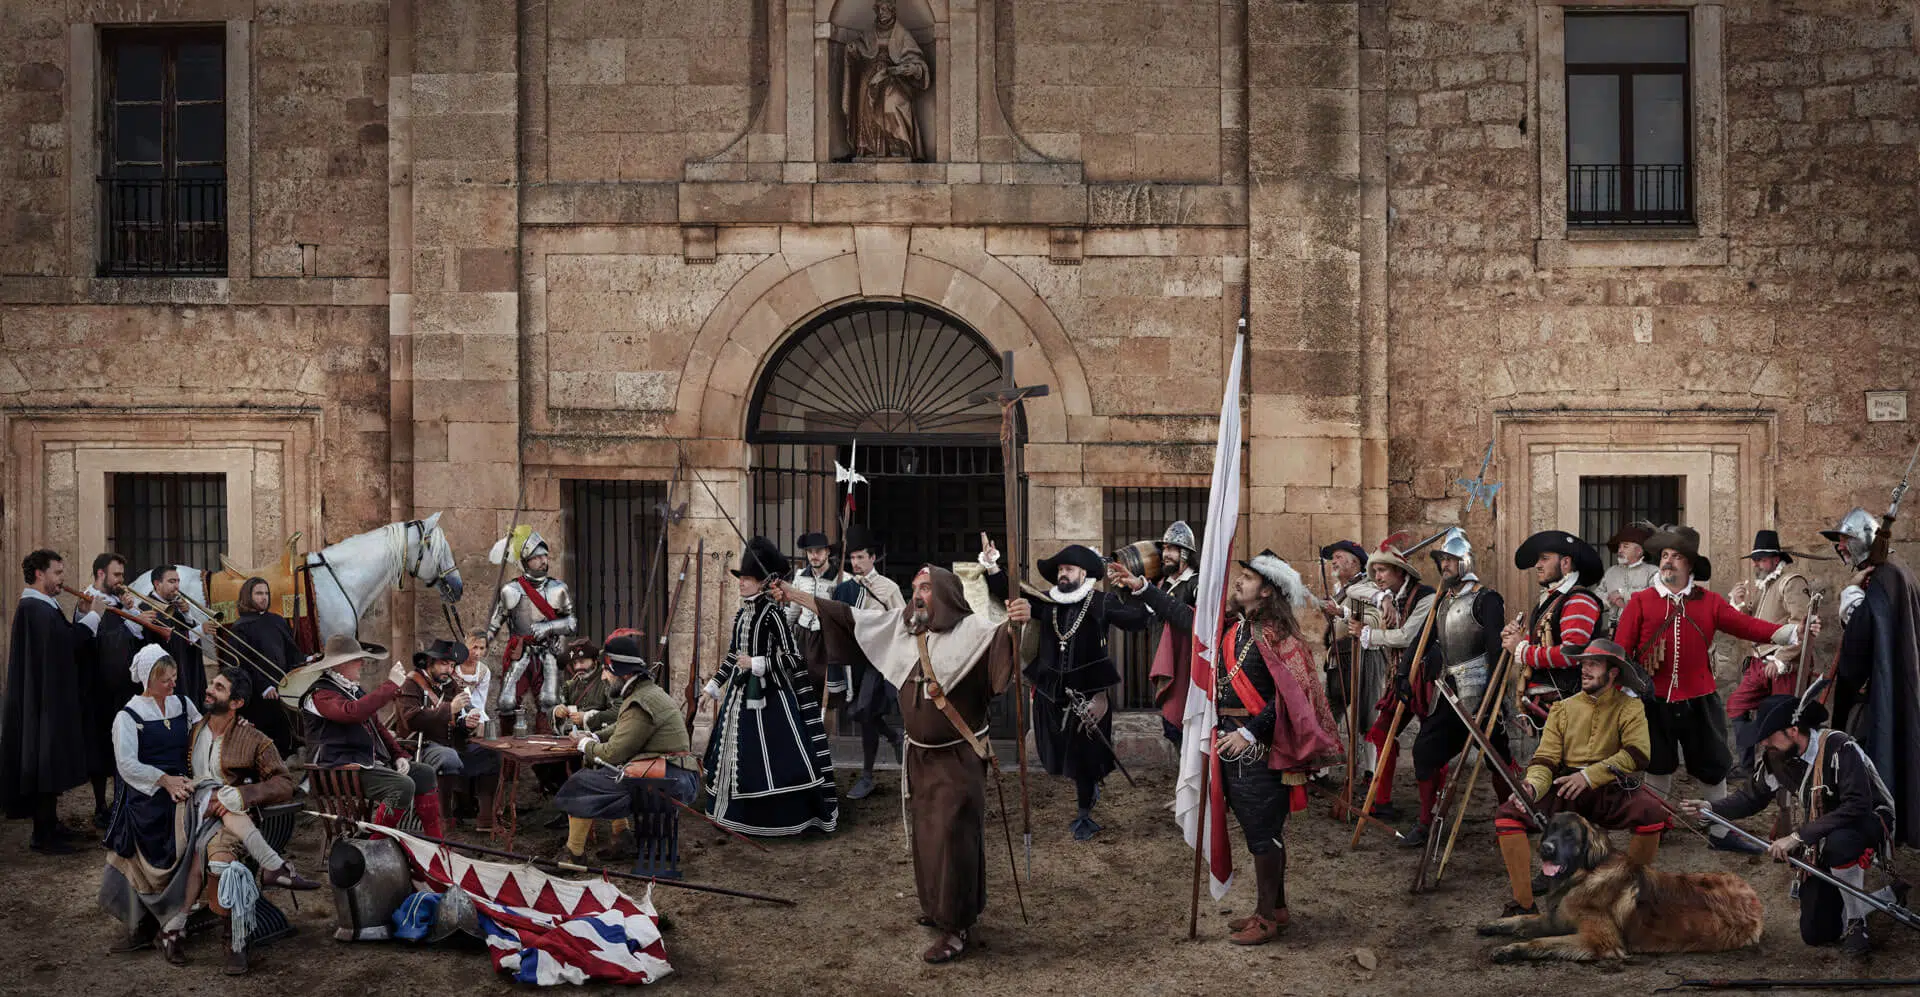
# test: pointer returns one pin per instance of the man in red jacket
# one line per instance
(1668, 627)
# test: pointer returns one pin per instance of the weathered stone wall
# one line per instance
(1131, 88)
(320, 138)
(1811, 307)
(636, 89)
(33, 138)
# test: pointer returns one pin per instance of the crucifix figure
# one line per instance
(1009, 398)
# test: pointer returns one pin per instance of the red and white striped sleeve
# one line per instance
(1579, 614)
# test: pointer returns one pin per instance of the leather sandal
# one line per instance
(284, 875)
(945, 950)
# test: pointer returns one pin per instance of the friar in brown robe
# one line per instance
(971, 660)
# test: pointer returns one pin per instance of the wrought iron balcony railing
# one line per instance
(163, 226)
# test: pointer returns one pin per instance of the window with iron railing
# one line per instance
(1609, 502)
(163, 188)
(1629, 137)
(159, 519)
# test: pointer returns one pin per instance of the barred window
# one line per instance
(1628, 128)
(1608, 503)
(163, 185)
(613, 533)
(167, 519)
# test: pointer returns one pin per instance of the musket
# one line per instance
(500, 577)
(157, 629)
(1800, 680)
(678, 884)
(1881, 540)
(699, 604)
(1514, 786)
(1893, 910)
(1415, 671)
(668, 516)
(1497, 696)
(676, 801)
(1451, 795)
(666, 626)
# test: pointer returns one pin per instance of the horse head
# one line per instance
(430, 559)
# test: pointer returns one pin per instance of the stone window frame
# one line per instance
(1726, 456)
(1704, 243)
(57, 461)
(86, 82)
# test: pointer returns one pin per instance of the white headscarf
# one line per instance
(144, 661)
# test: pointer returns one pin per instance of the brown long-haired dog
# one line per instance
(1599, 907)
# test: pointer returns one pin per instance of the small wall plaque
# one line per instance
(1886, 406)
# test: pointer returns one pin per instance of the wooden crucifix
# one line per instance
(1009, 398)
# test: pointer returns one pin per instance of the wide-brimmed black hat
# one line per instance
(441, 649)
(1777, 713)
(1359, 553)
(861, 538)
(1766, 543)
(1633, 678)
(1083, 557)
(1686, 540)
(761, 560)
(810, 541)
(1586, 560)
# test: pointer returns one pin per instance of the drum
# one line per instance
(1143, 559)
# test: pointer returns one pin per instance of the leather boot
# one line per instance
(427, 808)
(1517, 852)
(484, 822)
(449, 794)
(237, 963)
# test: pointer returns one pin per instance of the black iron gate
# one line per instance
(613, 532)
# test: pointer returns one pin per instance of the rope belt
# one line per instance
(906, 790)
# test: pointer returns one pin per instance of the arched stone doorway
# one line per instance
(882, 386)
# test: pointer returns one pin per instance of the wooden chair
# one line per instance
(656, 829)
(339, 792)
(270, 923)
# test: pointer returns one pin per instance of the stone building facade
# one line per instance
(479, 255)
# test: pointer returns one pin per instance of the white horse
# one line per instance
(349, 576)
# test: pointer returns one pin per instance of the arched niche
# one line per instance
(840, 21)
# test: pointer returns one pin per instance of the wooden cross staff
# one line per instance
(1009, 398)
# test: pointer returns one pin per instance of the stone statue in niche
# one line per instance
(883, 69)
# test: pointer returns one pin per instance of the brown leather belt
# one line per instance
(1233, 711)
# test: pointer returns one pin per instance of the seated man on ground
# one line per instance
(343, 725)
(1588, 741)
(439, 716)
(1835, 784)
(167, 756)
(648, 739)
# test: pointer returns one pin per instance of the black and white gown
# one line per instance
(769, 768)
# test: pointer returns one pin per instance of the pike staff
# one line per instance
(1009, 398)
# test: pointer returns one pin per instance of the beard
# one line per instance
(217, 707)
(1170, 568)
(1068, 586)
(921, 618)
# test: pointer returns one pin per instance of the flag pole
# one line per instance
(1200, 839)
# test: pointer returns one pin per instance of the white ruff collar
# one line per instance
(1070, 598)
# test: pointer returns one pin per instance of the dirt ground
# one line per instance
(1108, 917)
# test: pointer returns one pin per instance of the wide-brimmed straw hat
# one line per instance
(339, 650)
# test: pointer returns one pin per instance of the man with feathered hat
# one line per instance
(537, 611)
(1072, 671)
(1386, 650)
(1170, 598)
(1273, 729)
(1847, 810)
(1669, 629)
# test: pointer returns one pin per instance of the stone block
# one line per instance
(1004, 204)
(882, 260)
(482, 442)
(488, 270)
(883, 203)
(745, 202)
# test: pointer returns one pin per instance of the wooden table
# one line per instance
(516, 753)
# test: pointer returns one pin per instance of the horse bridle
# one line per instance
(447, 611)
